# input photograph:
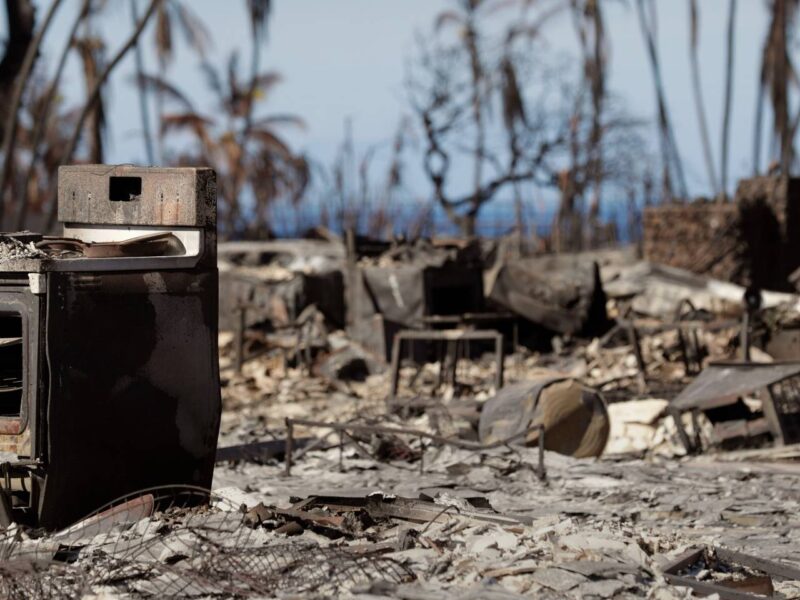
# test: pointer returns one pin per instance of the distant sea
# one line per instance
(496, 219)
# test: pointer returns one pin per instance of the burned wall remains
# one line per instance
(750, 241)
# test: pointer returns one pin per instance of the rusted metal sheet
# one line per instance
(126, 512)
(732, 379)
(11, 426)
(750, 585)
(574, 418)
(562, 293)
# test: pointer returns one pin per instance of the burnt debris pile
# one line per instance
(423, 419)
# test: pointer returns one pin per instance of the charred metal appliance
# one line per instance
(109, 379)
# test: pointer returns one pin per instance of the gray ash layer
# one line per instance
(12, 249)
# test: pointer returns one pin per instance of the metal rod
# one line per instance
(465, 444)
(541, 472)
(357, 445)
(239, 342)
(633, 338)
(448, 366)
(698, 358)
(289, 445)
(312, 446)
(684, 350)
(500, 358)
(696, 429)
(684, 437)
(343, 428)
(396, 346)
(745, 336)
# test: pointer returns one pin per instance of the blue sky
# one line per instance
(347, 59)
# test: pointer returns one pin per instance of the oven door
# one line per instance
(21, 378)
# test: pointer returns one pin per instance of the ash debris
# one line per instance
(450, 420)
(14, 247)
(600, 467)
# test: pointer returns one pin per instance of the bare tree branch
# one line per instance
(95, 94)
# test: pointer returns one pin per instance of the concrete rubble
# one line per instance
(325, 489)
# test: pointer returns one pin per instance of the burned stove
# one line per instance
(109, 379)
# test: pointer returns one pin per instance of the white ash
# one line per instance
(12, 249)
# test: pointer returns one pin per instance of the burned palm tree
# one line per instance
(590, 26)
(249, 176)
(93, 96)
(15, 70)
(144, 107)
(258, 12)
(672, 166)
(173, 18)
(355, 198)
(777, 71)
(47, 126)
(697, 89)
(466, 20)
(44, 147)
(726, 112)
(91, 50)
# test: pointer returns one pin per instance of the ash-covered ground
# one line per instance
(619, 478)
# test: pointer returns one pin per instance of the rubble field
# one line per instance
(449, 467)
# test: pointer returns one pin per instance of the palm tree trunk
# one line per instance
(40, 125)
(238, 174)
(780, 93)
(42, 121)
(19, 31)
(698, 98)
(471, 41)
(90, 50)
(670, 154)
(10, 129)
(758, 127)
(92, 98)
(726, 113)
(144, 109)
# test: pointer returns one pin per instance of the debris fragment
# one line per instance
(571, 418)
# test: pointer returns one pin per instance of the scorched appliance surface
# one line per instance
(109, 379)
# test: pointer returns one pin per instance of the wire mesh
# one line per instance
(177, 542)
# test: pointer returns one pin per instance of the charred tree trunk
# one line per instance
(726, 113)
(20, 14)
(144, 109)
(699, 104)
(15, 68)
(91, 50)
(93, 95)
(669, 149)
(40, 126)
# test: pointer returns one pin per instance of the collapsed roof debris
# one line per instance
(425, 420)
(562, 293)
(467, 471)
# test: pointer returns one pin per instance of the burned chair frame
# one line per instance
(454, 340)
